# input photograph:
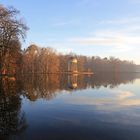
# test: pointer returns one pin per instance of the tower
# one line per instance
(72, 65)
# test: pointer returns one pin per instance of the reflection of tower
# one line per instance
(72, 65)
(72, 81)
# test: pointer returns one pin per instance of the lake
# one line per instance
(70, 107)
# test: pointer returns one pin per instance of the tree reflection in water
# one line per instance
(48, 86)
(12, 119)
(33, 87)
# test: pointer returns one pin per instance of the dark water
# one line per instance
(62, 107)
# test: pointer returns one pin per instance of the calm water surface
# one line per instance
(70, 107)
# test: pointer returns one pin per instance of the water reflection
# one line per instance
(48, 86)
(101, 107)
(72, 81)
(12, 119)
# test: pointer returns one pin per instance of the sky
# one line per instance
(88, 27)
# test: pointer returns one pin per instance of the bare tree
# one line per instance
(11, 28)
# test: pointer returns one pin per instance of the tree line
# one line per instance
(35, 59)
(46, 60)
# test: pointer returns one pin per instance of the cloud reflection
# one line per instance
(116, 99)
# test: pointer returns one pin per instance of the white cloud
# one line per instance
(65, 23)
(128, 20)
(120, 39)
(97, 41)
(108, 39)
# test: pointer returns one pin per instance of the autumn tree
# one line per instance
(40, 60)
(30, 59)
(11, 29)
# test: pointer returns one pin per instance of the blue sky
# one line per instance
(88, 27)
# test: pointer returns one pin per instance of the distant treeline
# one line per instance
(37, 60)
(47, 60)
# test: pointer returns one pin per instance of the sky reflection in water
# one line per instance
(98, 107)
